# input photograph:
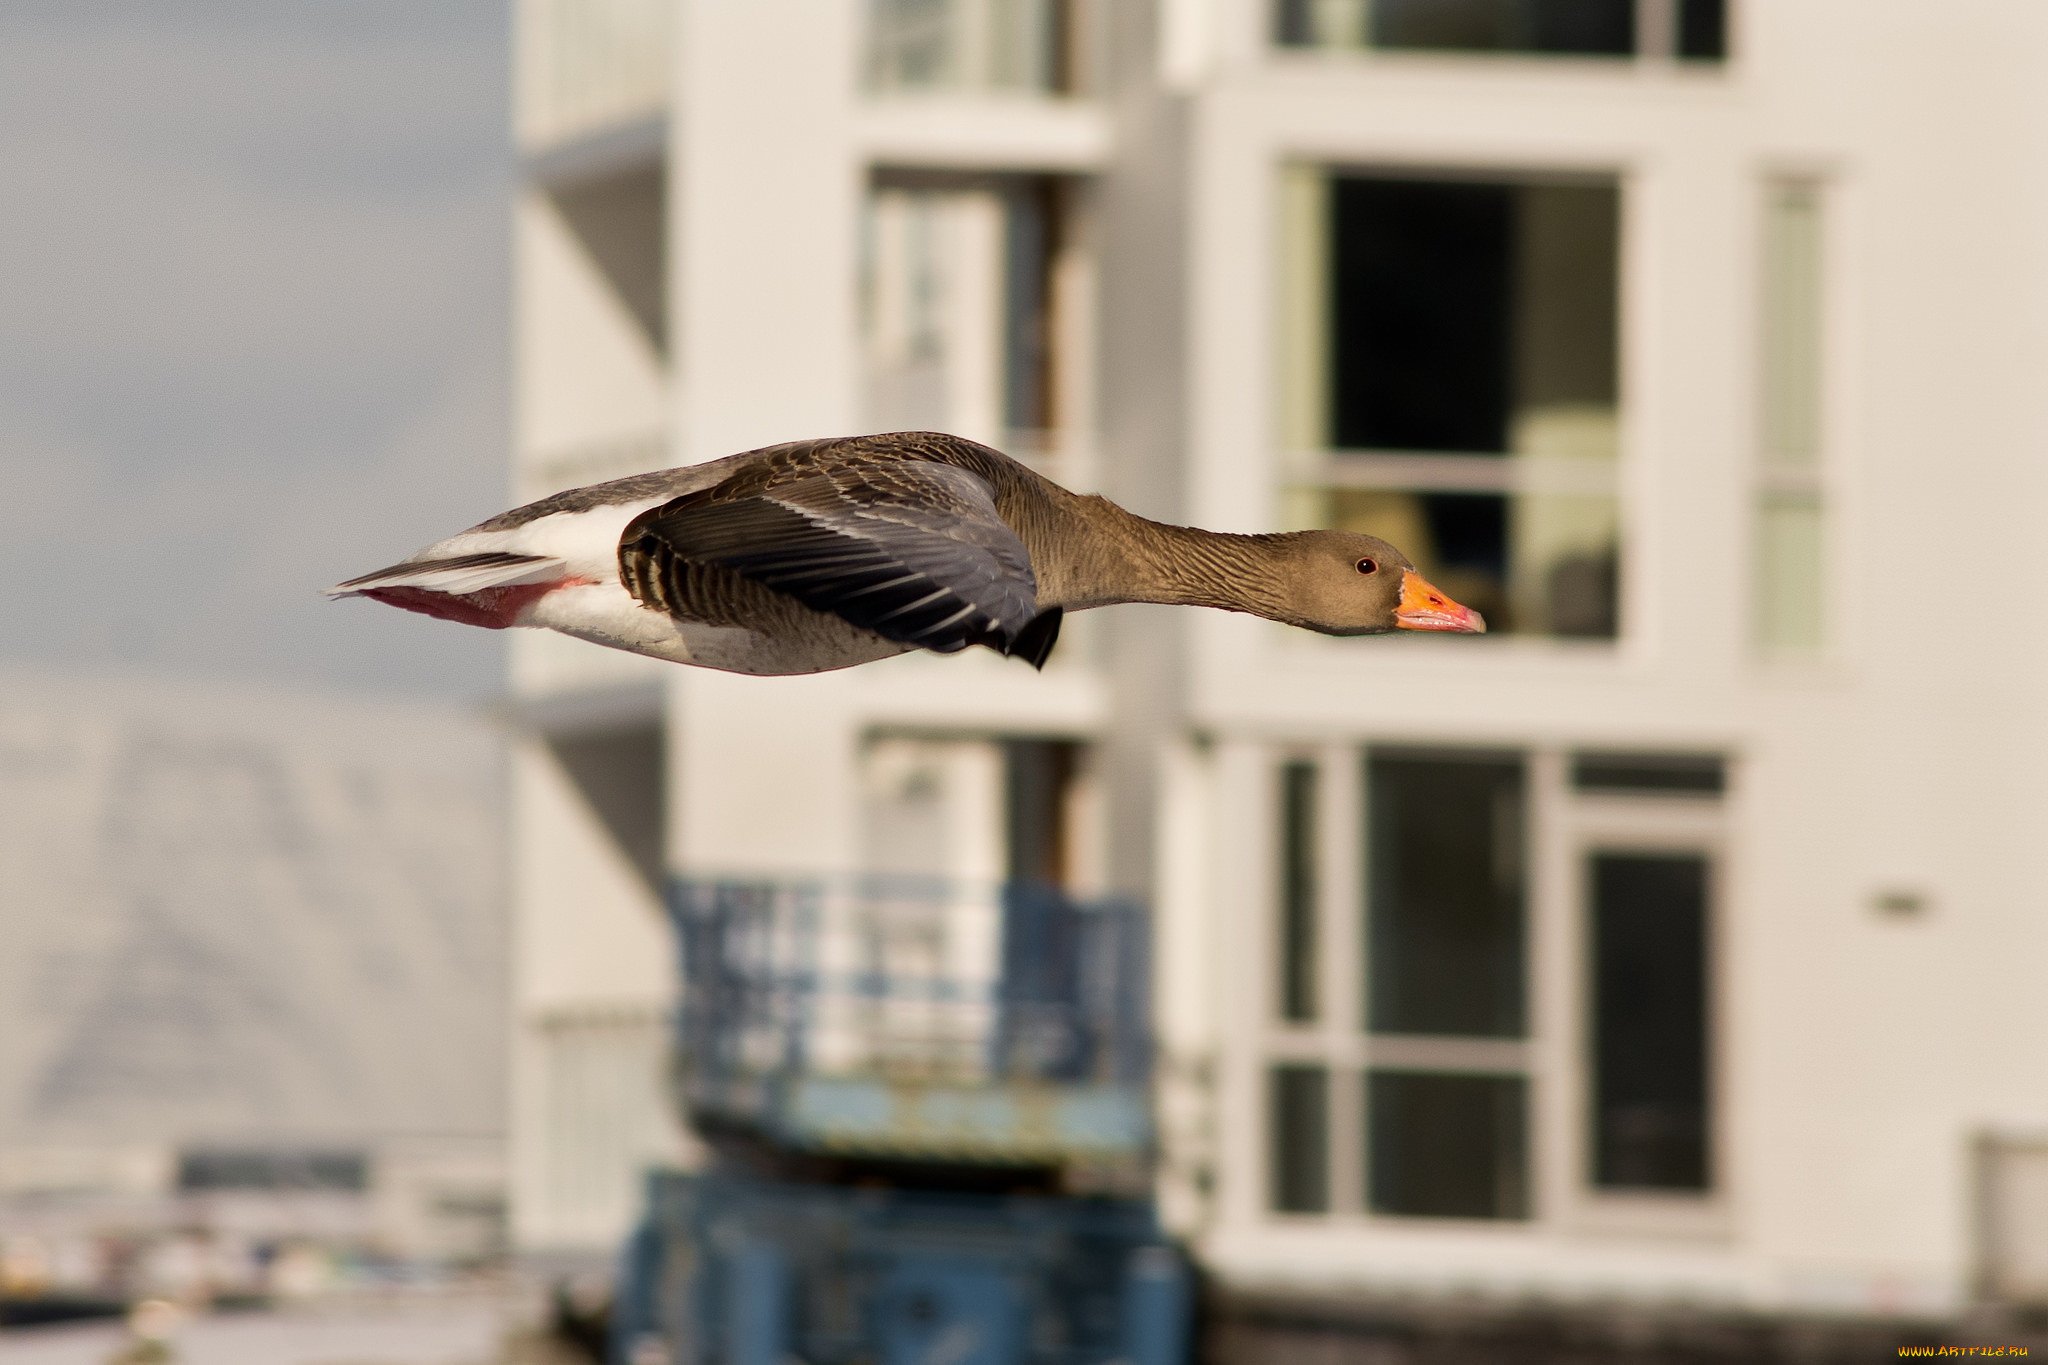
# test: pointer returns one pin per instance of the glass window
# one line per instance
(1703, 30)
(1444, 874)
(1300, 1139)
(1450, 382)
(1649, 1021)
(1791, 522)
(1038, 791)
(1446, 1146)
(1587, 27)
(1694, 29)
(1013, 45)
(1680, 774)
(1298, 840)
(1420, 1105)
(959, 311)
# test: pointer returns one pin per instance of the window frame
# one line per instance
(1592, 823)
(1770, 476)
(1658, 27)
(1293, 385)
(1565, 828)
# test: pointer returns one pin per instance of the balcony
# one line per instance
(906, 1018)
(1020, 47)
(588, 67)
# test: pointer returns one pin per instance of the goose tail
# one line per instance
(456, 574)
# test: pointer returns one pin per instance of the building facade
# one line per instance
(1678, 941)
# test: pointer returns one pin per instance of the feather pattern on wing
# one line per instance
(914, 551)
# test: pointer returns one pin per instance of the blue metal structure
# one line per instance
(734, 1271)
(893, 1017)
(891, 1034)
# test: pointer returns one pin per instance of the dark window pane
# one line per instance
(1419, 314)
(1447, 1146)
(1599, 28)
(1038, 779)
(1444, 936)
(1691, 774)
(1649, 970)
(1703, 29)
(1300, 1138)
(1293, 25)
(1298, 891)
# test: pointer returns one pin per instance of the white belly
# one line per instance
(606, 614)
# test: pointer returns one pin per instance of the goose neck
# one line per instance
(1142, 560)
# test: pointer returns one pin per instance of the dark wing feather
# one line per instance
(913, 551)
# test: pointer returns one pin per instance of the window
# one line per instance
(963, 285)
(1790, 608)
(1694, 30)
(1040, 778)
(1006, 45)
(1299, 838)
(1444, 873)
(1686, 774)
(1447, 1146)
(1449, 368)
(1444, 960)
(1402, 1067)
(1301, 1139)
(1648, 973)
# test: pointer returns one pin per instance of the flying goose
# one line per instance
(817, 555)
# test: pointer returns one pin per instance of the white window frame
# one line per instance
(1298, 382)
(1565, 827)
(1817, 480)
(1647, 822)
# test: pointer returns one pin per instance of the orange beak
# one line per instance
(1425, 608)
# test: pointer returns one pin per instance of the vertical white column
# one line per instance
(764, 201)
(765, 191)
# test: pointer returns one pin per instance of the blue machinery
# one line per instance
(882, 1066)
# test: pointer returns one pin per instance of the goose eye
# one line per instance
(1367, 566)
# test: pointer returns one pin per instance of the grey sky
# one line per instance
(253, 263)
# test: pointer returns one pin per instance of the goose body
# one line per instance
(818, 555)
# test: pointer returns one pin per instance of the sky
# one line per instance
(253, 292)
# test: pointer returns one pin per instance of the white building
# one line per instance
(1678, 941)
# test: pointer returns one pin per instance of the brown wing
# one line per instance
(913, 551)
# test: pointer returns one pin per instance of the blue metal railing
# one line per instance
(905, 977)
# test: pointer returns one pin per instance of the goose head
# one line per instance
(1343, 583)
